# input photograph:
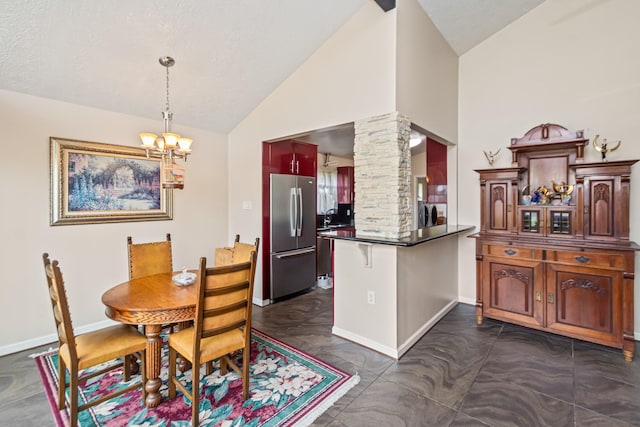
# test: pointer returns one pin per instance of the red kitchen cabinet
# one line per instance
(436, 172)
(345, 184)
(293, 158)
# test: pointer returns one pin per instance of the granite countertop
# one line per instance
(332, 227)
(416, 237)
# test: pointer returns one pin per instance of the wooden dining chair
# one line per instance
(76, 353)
(146, 259)
(222, 326)
(240, 252)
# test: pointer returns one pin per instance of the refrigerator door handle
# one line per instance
(300, 216)
(293, 212)
(296, 253)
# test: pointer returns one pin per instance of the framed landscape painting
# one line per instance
(93, 182)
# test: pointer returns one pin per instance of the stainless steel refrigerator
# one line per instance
(293, 234)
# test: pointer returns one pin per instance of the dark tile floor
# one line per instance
(458, 374)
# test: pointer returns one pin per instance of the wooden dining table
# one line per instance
(151, 301)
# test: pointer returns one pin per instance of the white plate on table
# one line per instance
(185, 279)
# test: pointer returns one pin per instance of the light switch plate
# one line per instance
(246, 204)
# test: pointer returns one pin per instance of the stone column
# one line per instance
(382, 160)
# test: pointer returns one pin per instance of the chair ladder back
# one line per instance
(59, 305)
(224, 298)
(242, 251)
(146, 259)
(218, 318)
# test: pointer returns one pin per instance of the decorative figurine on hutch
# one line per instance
(491, 156)
(542, 196)
(526, 197)
(603, 148)
(563, 190)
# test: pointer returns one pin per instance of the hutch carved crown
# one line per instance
(553, 251)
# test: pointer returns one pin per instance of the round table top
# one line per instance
(151, 300)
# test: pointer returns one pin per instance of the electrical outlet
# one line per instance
(371, 297)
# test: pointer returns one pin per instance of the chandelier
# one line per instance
(170, 146)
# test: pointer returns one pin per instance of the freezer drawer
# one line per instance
(292, 271)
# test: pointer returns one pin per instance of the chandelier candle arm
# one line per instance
(169, 146)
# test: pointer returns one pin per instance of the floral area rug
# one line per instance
(287, 388)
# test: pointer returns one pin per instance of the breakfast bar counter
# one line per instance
(416, 237)
(389, 292)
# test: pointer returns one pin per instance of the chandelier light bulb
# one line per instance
(148, 139)
(185, 144)
(171, 139)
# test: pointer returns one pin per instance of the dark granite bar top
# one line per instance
(416, 237)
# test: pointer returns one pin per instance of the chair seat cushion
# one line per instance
(104, 345)
(210, 348)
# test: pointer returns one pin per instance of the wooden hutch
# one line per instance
(558, 264)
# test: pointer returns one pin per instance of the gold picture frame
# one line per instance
(94, 183)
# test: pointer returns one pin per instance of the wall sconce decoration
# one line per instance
(603, 147)
(170, 146)
(491, 156)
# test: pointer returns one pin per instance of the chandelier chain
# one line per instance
(167, 101)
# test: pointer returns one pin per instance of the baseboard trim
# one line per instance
(404, 347)
(469, 301)
(373, 345)
(260, 302)
(51, 338)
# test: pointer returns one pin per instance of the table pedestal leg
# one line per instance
(153, 362)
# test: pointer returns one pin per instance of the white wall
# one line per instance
(350, 77)
(427, 287)
(569, 62)
(427, 73)
(427, 87)
(373, 325)
(92, 257)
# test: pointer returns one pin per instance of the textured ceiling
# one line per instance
(466, 23)
(230, 54)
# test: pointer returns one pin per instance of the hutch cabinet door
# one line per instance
(605, 188)
(531, 221)
(500, 207)
(561, 221)
(585, 302)
(600, 200)
(498, 200)
(513, 289)
(548, 221)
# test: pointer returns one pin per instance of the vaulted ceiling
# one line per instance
(230, 54)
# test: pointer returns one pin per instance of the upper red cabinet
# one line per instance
(345, 184)
(293, 157)
(436, 172)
